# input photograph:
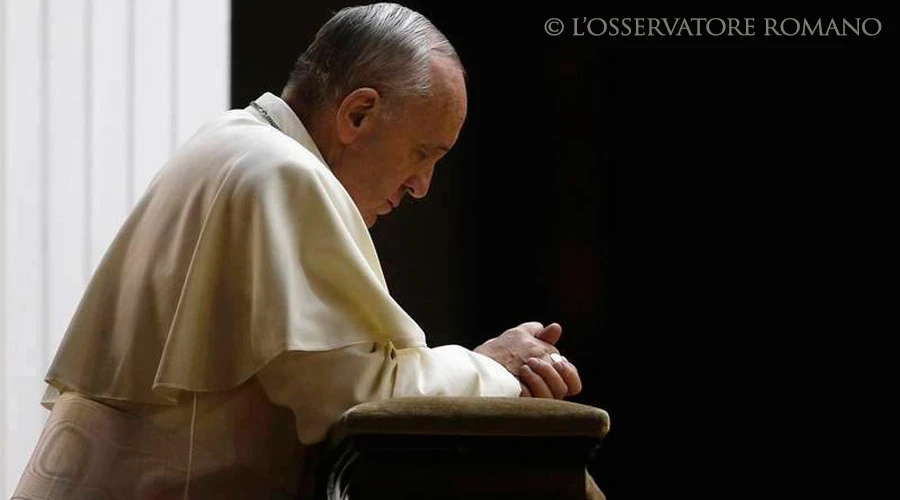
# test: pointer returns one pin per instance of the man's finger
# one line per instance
(535, 383)
(532, 328)
(568, 372)
(551, 377)
(551, 334)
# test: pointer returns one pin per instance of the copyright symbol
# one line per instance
(553, 26)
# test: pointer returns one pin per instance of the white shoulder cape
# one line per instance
(244, 246)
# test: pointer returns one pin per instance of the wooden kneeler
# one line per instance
(462, 448)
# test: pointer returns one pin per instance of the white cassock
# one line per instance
(239, 311)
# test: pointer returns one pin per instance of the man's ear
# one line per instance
(356, 113)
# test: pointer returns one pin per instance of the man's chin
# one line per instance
(370, 220)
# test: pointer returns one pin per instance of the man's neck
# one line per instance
(312, 121)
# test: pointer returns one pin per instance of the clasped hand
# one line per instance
(528, 351)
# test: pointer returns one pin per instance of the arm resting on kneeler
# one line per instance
(453, 447)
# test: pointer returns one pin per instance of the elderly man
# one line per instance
(242, 308)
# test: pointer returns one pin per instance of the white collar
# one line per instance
(286, 120)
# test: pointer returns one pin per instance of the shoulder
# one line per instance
(273, 167)
(278, 166)
(258, 156)
(249, 165)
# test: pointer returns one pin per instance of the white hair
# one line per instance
(384, 46)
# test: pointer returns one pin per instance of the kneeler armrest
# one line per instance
(472, 448)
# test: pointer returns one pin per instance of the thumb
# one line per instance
(550, 334)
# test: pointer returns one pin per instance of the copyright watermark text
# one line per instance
(711, 26)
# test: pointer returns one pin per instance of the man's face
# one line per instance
(397, 153)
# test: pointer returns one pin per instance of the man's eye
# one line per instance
(423, 154)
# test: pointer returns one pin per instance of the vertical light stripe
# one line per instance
(152, 90)
(129, 102)
(23, 353)
(64, 232)
(110, 136)
(4, 490)
(204, 59)
(173, 78)
(43, 190)
(88, 66)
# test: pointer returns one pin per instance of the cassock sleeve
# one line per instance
(319, 386)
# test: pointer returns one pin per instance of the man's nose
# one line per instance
(418, 184)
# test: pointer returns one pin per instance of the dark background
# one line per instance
(707, 218)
